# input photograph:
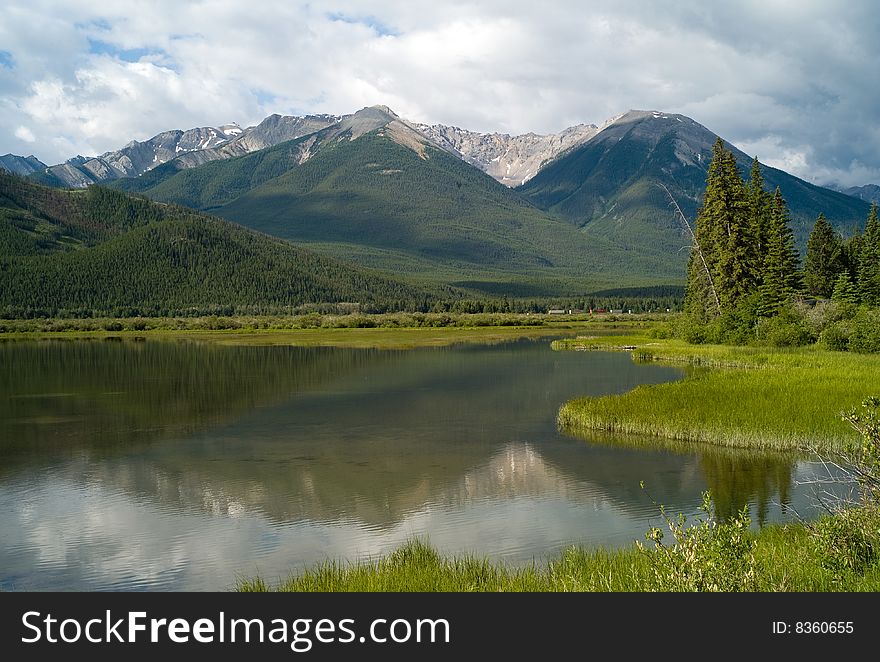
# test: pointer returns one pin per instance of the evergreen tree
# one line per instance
(852, 251)
(780, 277)
(701, 295)
(869, 261)
(824, 259)
(759, 215)
(844, 290)
(780, 222)
(136, 257)
(728, 206)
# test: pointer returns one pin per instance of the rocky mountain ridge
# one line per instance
(511, 160)
(21, 165)
(868, 192)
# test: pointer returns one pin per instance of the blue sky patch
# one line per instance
(264, 97)
(370, 21)
(98, 24)
(6, 60)
(98, 47)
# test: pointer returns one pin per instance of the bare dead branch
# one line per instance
(696, 245)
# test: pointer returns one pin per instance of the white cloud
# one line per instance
(25, 134)
(93, 75)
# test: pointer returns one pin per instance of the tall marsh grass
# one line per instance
(784, 558)
(416, 566)
(774, 399)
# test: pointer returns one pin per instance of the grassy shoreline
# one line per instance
(785, 559)
(374, 331)
(750, 397)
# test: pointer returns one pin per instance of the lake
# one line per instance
(177, 465)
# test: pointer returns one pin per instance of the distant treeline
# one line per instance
(453, 307)
(103, 252)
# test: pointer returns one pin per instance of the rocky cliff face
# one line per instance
(137, 157)
(192, 147)
(512, 160)
(271, 131)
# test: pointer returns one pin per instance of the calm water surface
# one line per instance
(182, 466)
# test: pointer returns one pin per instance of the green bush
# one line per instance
(835, 337)
(695, 331)
(738, 323)
(662, 331)
(848, 541)
(787, 329)
(865, 336)
(707, 556)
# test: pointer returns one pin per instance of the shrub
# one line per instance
(825, 313)
(708, 556)
(848, 541)
(695, 331)
(787, 329)
(835, 337)
(865, 336)
(661, 331)
(738, 323)
(865, 458)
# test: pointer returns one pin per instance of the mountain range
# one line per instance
(512, 160)
(375, 190)
(586, 209)
(192, 147)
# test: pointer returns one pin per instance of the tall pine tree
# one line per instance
(701, 295)
(780, 273)
(844, 290)
(869, 261)
(759, 215)
(735, 274)
(852, 251)
(824, 260)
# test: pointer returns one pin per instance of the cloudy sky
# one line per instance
(793, 81)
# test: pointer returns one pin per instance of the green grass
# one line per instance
(397, 330)
(375, 338)
(416, 566)
(786, 559)
(779, 399)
